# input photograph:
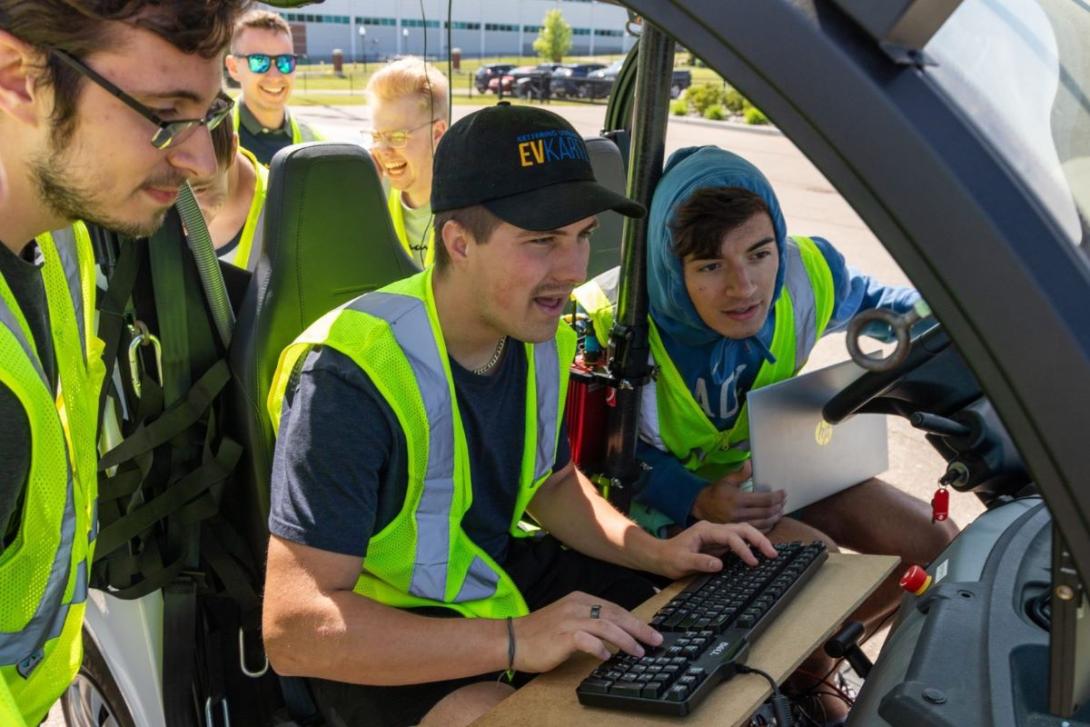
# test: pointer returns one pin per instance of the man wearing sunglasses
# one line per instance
(262, 60)
(104, 112)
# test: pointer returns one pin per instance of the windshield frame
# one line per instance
(987, 256)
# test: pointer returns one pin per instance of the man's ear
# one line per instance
(456, 241)
(232, 66)
(20, 68)
(438, 129)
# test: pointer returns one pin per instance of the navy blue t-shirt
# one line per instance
(340, 467)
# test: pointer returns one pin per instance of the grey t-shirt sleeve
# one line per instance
(331, 456)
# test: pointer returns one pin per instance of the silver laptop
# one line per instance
(795, 450)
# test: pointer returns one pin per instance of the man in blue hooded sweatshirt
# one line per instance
(719, 261)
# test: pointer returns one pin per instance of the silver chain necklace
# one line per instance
(482, 370)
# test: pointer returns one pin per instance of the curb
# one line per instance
(765, 129)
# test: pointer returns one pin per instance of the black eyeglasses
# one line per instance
(170, 132)
(262, 62)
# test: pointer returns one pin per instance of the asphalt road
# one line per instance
(812, 207)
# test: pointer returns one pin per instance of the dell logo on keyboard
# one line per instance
(720, 648)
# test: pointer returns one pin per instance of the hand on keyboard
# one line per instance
(706, 630)
(698, 548)
(547, 637)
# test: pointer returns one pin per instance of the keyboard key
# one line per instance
(651, 690)
(677, 693)
(596, 686)
(625, 689)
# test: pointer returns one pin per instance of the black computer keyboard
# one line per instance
(706, 630)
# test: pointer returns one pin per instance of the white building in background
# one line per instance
(377, 29)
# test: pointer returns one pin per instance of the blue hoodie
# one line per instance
(719, 370)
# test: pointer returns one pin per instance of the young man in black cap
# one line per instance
(420, 424)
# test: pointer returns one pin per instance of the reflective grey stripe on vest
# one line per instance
(546, 376)
(797, 283)
(408, 319)
(48, 619)
(65, 241)
(258, 241)
(8, 319)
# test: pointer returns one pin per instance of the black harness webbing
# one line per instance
(160, 488)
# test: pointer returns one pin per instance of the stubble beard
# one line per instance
(72, 202)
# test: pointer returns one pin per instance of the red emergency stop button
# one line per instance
(915, 580)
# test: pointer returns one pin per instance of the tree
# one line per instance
(554, 38)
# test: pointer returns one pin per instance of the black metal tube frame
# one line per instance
(628, 342)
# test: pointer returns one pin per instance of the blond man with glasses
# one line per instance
(409, 115)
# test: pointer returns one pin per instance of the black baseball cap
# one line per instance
(526, 165)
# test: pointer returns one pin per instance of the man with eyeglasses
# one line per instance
(262, 60)
(408, 101)
(104, 111)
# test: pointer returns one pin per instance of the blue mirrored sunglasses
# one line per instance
(262, 62)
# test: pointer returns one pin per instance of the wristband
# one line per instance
(510, 649)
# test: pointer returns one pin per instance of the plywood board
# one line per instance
(841, 585)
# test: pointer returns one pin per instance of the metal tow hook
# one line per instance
(900, 326)
(141, 336)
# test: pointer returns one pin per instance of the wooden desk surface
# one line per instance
(843, 583)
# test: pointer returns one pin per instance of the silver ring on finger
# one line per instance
(596, 611)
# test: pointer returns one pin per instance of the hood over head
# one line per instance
(688, 170)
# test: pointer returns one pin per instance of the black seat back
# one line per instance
(605, 246)
(328, 238)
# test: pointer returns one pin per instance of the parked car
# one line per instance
(599, 83)
(570, 79)
(505, 82)
(486, 73)
(532, 81)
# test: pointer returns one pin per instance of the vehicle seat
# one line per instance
(605, 246)
(328, 238)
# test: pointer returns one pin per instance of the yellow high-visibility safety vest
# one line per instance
(246, 254)
(423, 557)
(671, 418)
(397, 216)
(44, 571)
